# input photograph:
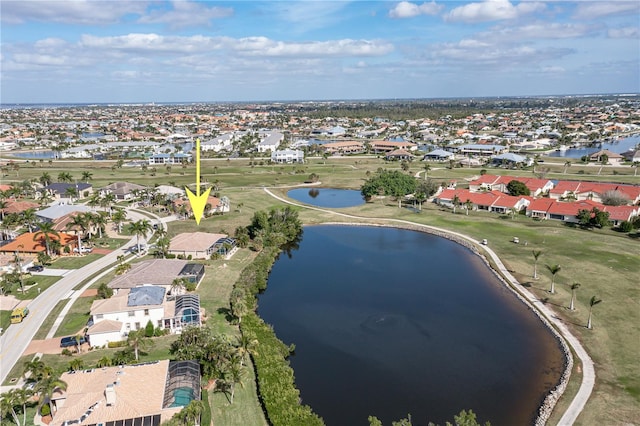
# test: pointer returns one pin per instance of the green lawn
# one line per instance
(74, 262)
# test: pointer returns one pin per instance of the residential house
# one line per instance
(384, 147)
(481, 149)
(169, 159)
(345, 147)
(156, 271)
(612, 157)
(399, 155)
(439, 155)
(198, 245)
(53, 213)
(123, 190)
(584, 190)
(537, 187)
(132, 309)
(25, 243)
(511, 159)
(147, 394)
(270, 141)
(287, 156)
(60, 190)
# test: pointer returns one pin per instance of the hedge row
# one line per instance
(276, 382)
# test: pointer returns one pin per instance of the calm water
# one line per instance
(623, 145)
(388, 322)
(44, 155)
(327, 197)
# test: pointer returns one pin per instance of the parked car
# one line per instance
(69, 341)
(35, 268)
(83, 250)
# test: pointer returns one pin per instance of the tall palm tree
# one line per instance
(427, 168)
(16, 398)
(99, 221)
(78, 224)
(46, 386)
(87, 176)
(107, 201)
(3, 205)
(536, 255)
(45, 179)
(140, 228)
(574, 287)
(567, 164)
(137, 341)
(118, 217)
(456, 202)
(554, 269)
(46, 233)
(468, 205)
(593, 302)
(29, 219)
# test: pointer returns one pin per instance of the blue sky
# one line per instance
(207, 51)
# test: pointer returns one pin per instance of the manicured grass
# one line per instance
(5, 319)
(31, 291)
(77, 317)
(74, 262)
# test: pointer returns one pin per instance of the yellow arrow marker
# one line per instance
(198, 201)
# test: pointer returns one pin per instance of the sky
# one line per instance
(91, 51)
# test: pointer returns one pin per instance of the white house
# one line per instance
(131, 309)
(287, 156)
(270, 141)
(222, 142)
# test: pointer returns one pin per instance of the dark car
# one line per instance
(69, 341)
(35, 268)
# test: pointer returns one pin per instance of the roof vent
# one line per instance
(110, 394)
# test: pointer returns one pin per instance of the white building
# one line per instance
(131, 309)
(287, 156)
(269, 141)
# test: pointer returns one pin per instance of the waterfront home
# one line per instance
(199, 245)
(146, 394)
(612, 157)
(160, 272)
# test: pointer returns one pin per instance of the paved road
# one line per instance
(588, 371)
(16, 338)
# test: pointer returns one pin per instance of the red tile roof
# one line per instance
(25, 243)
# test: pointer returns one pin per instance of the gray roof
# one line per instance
(509, 156)
(146, 295)
(156, 271)
(439, 153)
(54, 212)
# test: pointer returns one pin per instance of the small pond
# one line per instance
(327, 197)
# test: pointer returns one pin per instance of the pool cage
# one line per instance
(182, 385)
(187, 310)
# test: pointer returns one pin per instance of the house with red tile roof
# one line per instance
(619, 214)
(25, 243)
(537, 187)
(493, 201)
(585, 190)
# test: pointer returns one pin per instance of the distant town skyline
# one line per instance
(88, 51)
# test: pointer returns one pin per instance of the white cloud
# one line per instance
(626, 32)
(186, 14)
(406, 9)
(596, 9)
(540, 30)
(253, 46)
(553, 69)
(492, 10)
(86, 12)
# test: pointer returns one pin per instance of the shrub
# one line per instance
(45, 410)
(66, 352)
(118, 344)
(626, 226)
(170, 256)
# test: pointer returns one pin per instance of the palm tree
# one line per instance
(16, 398)
(76, 364)
(593, 302)
(107, 201)
(29, 219)
(574, 287)
(140, 229)
(105, 361)
(567, 164)
(118, 217)
(45, 179)
(46, 233)
(45, 387)
(137, 340)
(87, 176)
(78, 224)
(468, 205)
(635, 167)
(554, 269)
(427, 168)
(536, 255)
(65, 177)
(456, 202)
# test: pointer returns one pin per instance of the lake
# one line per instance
(388, 322)
(327, 197)
(620, 146)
